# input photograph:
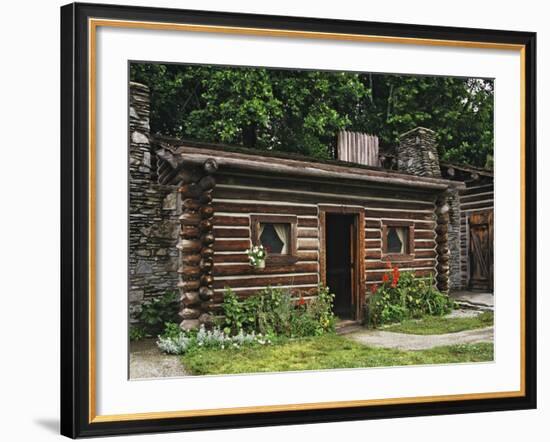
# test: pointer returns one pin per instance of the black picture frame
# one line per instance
(75, 221)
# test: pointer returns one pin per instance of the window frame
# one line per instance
(276, 258)
(386, 225)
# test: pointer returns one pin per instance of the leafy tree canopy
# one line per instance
(302, 111)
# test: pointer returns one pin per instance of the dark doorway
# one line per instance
(340, 245)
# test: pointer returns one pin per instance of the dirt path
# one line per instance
(147, 361)
(404, 341)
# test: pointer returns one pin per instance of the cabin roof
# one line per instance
(467, 168)
(180, 153)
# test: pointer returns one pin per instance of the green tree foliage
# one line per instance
(302, 111)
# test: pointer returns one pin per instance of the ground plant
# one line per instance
(154, 314)
(137, 333)
(272, 315)
(274, 311)
(404, 296)
(178, 342)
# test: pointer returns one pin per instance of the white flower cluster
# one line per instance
(175, 346)
(212, 338)
(256, 255)
(215, 338)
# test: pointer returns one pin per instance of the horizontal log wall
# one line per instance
(232, 230)
(236, 198)
(423, 259)
(475, 198)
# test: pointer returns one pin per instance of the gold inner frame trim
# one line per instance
(300, 407)
(93, 24)
(299, 34)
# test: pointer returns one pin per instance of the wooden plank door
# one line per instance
(481, 250)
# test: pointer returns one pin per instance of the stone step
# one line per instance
(472, 306)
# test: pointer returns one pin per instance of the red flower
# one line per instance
(385, 277)
(395, 278)
(301, 301)
(374, 288)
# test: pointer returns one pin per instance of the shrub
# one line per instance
(421, 296)
(317, 316)
(239, 315)
(267, 312)
(171, 330)
(137, 333)
(273, 311)
(406, 296)
(158, 311)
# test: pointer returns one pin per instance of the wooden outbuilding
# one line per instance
(334, 223)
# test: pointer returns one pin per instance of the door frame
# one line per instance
(358, 269)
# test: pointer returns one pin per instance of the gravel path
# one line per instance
(464, 313)
(147, 361)
(404, 341)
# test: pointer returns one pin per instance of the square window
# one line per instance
(275, 237)
(398, 240)
(277, 233)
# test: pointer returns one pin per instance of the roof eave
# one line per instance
(308, 169)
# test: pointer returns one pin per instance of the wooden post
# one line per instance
(195, 245)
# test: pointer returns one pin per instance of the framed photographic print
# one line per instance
(278, 220)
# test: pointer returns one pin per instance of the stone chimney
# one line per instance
(417, 153)
(357, 147)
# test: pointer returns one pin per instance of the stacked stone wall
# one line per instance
(455, 275)
(153, 214)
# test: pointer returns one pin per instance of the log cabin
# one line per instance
(195, 209)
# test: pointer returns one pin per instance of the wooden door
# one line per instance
(481, 250)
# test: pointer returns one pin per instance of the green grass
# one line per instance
(436, 325)
(325, 352)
